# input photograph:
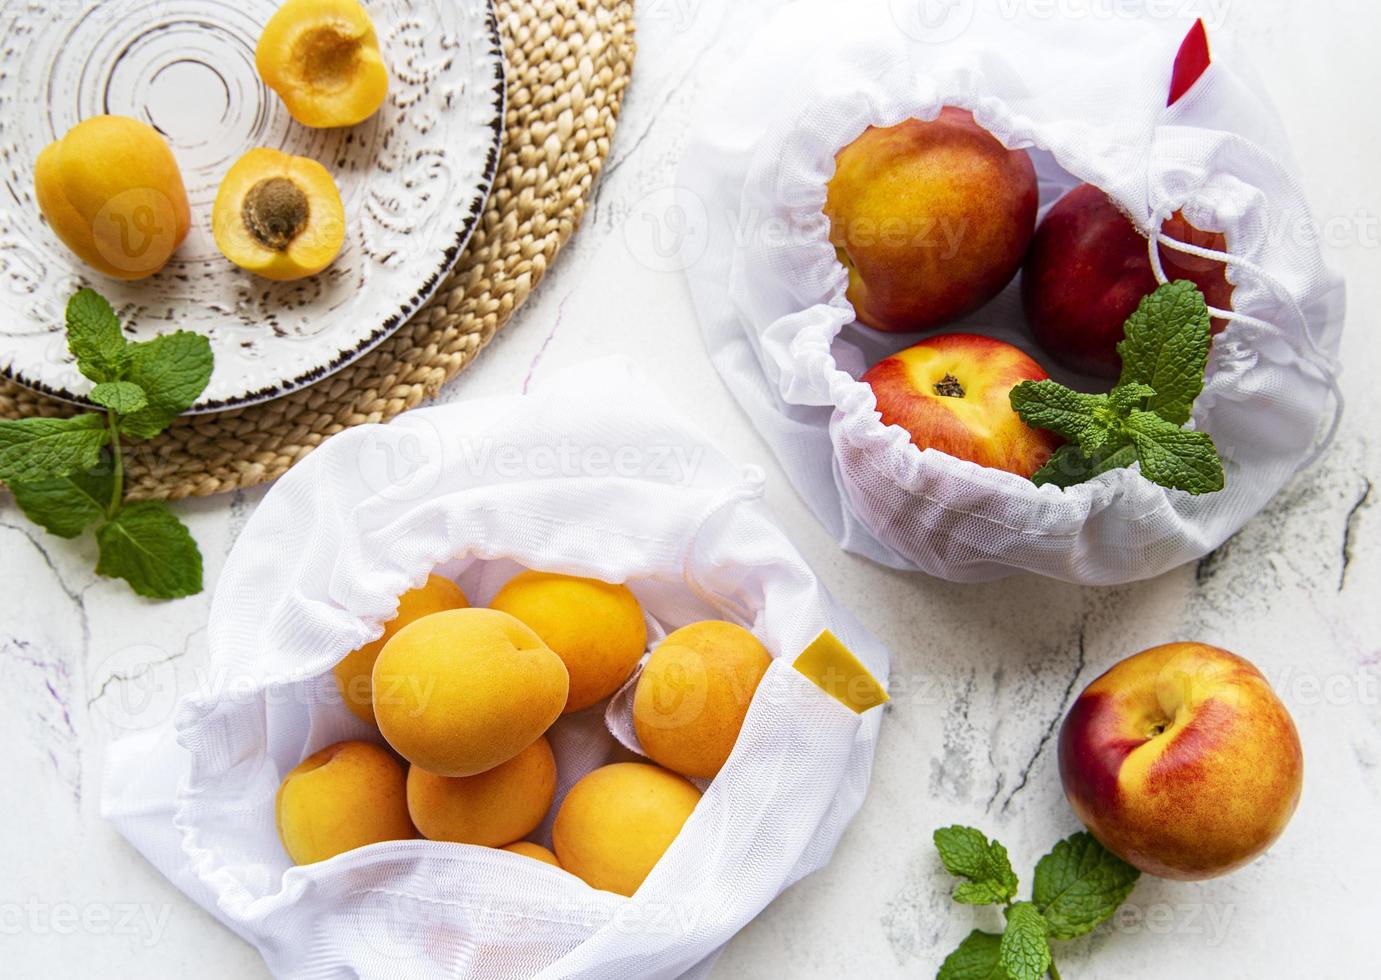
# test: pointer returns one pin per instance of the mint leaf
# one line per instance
(64, 480)
(1065, 412)
(1174, 457)
(980, 893)
(148, 547)
(975, 959)
(1024, 952)
(1129, 398)
(67, 505)
(123, 397)
(1068, 467)
(94, 336)
(1079, 885)
(1121, 459)
(32, 450)
(1165, 346)
(967, 853)
(1164, 355)
(173, 371)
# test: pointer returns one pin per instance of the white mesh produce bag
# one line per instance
(1088, 96)
(592, 476)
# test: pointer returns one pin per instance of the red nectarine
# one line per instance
(930, 218)
(1182, 761)
(952, 393)
(1089, 267)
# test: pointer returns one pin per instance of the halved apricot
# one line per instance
(278, 216)
(322, 58)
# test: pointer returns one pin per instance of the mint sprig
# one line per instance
(1164, 354)
(979, 957)
(35, 449)
(1025, 948)
(68, 474)
(966, 853)
(1078, 886)
(146, 545)
(68, 505)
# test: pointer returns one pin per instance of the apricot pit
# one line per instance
(275, 212)
(278, 215)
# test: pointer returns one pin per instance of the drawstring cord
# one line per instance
(1316, 356)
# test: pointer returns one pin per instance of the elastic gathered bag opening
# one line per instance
(317, 571)
(782, 333)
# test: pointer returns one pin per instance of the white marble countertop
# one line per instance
(989, 669)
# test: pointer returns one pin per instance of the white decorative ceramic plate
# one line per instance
(413, 178)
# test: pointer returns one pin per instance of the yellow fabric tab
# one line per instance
(837, 672)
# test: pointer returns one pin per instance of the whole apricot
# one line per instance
(111, 190)
(491, 808)
(694, 693)
(535, 851)
(597, 629)
(459, 692)
(617, 822)
(354, 673)
(346, 796)
(278, 216)
(322, 58)
(931, 219)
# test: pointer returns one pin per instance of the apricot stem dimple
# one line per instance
(949, 387)
(275, 211)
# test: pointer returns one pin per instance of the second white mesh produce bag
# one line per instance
(1087, 96)
(594, 476)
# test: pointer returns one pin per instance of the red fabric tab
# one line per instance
(1192, 61)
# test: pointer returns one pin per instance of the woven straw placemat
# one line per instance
(568, 63)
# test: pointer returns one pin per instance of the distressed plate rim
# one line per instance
(393, 322)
